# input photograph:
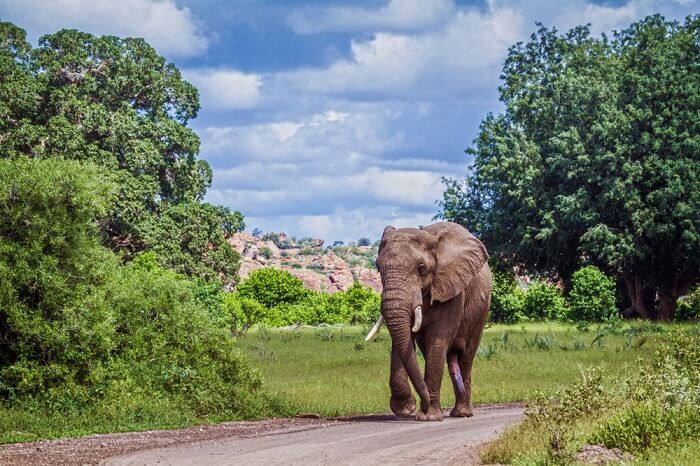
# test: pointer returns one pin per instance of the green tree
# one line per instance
(594, 159)
(117, 103)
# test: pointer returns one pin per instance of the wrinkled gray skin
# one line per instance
(441, 267)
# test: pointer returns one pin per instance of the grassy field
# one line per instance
(332, 371)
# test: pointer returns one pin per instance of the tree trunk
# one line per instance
(667, 307)
(640, 303)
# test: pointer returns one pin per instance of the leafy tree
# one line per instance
(363, 241)
(117, 103)
(595, 159)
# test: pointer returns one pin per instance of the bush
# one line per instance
(639, 427)
(507, 299)
(592, 295)
(688, 307)
(272, 287)
(544, 301)
(51, 263)
(80, 330)
(242, 313)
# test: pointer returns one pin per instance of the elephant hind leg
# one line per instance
(461, 384)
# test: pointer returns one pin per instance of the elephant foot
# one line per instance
(461, 410)
(434, 414)
(403, 406)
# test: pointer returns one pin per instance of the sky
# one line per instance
(333, 119)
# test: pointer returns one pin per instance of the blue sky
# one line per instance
(334, 119)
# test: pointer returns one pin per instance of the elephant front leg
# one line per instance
(434, 365)
(402, 401)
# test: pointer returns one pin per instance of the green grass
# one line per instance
(331, 371)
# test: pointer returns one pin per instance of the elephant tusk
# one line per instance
(375, 329)
(418, 319)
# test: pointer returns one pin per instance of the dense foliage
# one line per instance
(272, 287)
(80, 330)
(276, 298)
(592, 295)
(594, 160)
(117, 103)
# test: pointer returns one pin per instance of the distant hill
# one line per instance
(328, 269)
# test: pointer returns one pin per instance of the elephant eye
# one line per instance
(422, 269)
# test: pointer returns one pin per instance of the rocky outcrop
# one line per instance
(368, 277)
(318, 268)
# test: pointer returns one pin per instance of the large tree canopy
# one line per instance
(117, 103)
(596, 159)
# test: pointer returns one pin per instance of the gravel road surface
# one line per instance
(361, 440)
(375, 439)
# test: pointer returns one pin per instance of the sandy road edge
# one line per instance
(92, 449)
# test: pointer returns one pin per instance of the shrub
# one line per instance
(592, 295)
(507, 299)
(79, 330)
(51, 263)
(267, 252)
(358, 304)
(647, 425)
(242, 313)
(688, 307)
(272, 287)
(544, 301)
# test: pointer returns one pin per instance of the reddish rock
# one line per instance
(312, 280)
(320, 271)
(368, 277)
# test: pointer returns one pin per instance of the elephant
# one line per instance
(436, 294)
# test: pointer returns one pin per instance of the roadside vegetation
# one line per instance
(650, 411)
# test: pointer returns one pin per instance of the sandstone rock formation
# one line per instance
(318, 268)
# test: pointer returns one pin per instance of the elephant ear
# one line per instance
(460, 256)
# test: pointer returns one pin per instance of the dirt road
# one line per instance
(362, 440)
(378, 439)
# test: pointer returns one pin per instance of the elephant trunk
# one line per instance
(397, 313)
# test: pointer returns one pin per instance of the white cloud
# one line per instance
(396, 15)
(344, 224)
(463, 55)
(225, 89)
(172, 30)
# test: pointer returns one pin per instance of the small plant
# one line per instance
(487, 352)
(540, 342)
(265, 252)
(359, 346)
(264, 333)
(325, 333)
